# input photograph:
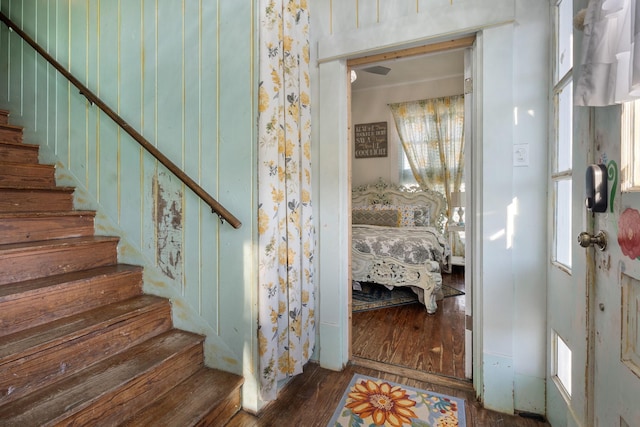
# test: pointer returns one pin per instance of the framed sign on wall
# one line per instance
(370, 140)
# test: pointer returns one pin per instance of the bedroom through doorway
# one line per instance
(390, 328)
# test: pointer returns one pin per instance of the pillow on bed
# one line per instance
(411, 215)
(421, 216)
(385, 217)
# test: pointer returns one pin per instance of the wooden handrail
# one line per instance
(151, 149)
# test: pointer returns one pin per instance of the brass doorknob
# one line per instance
(599, 240)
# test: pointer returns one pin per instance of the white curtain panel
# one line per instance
(610, 69)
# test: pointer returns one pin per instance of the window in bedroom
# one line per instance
(406, 175)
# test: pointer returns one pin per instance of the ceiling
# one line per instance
(427, 67)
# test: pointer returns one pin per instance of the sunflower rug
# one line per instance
(369, 402)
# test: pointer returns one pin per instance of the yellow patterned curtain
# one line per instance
(286, 234)
(432, 135)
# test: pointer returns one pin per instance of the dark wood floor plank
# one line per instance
(310, 399)
(408, 336)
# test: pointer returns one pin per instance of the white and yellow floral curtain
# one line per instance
(432, 135)
(285, 225)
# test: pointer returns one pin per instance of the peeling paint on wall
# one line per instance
(168, 222)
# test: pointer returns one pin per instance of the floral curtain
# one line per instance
(286, 234)
(432, 135)
(610, 69)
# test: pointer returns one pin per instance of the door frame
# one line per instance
(467, 43)
(493, 379)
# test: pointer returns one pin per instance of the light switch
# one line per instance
(521, 155)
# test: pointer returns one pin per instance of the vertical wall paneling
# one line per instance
(4, 59)
(368, 12)
(343, 15)
(78, 31)
(209, 159)
(130, 107)
(107, 90)
(41, 36)
(62, 86)
(171, 104)
(149, 126)
(181, 73)
(236, 177)
(191, 135)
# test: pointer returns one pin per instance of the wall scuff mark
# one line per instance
(168, 221)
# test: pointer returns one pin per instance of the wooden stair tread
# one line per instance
(29, 226)
(70, 328)
(30, 303)
(19, 290)
(11, 127)
(53, 244)
(27, 188)
(203, 396)
(4, 163)
(21, 144)
(45, 214)
(125, 378)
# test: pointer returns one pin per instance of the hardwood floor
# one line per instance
(310, 399)
(405, 345)
(408, 337)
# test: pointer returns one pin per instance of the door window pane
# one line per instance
(564, 120)
(562, 233)
(630, 133)
(563, 365)
(564, 52)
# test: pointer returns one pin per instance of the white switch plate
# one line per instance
(520, 154)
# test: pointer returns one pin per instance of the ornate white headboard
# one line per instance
(383, 193)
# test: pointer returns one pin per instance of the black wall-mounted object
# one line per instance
(596, 188)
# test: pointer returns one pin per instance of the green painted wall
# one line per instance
(183, 74)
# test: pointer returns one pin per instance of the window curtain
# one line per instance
(432, 135)
(610, 69)
(286, 234)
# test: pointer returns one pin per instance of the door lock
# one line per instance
(599, 240)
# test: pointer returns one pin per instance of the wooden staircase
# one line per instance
(80, 344)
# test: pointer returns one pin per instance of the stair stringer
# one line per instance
(217, 353)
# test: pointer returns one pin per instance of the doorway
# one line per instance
(406, 337)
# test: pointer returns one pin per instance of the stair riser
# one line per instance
(34, 308)
(116, 406)
(224, 412)
(214, 399)
(4, 117)
(39, 176)
(21, 153)
(40, 263)
(33, 229)
(10, 134)
(35, 201)
(44, 366)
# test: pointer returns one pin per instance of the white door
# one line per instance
(568, 312)
(616, 384)
(593, 291)
(468, 231)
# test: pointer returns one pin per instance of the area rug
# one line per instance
(371, 401)
(373, 296)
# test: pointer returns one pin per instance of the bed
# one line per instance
(397, 239)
